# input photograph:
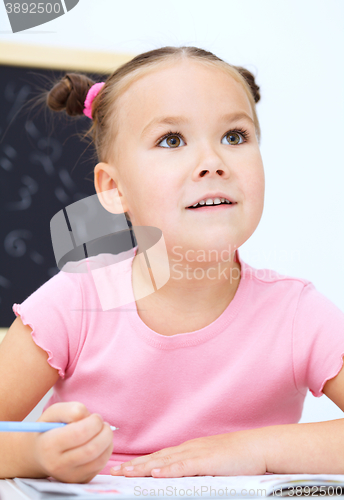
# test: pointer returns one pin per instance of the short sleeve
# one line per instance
(318, 341)
(54, 312)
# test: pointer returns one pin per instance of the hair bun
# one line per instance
(249, 77)
(69, 94)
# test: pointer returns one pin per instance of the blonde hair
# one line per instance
(69, 92)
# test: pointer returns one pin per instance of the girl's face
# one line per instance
(159, 177)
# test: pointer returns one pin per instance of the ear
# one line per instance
(106, 185)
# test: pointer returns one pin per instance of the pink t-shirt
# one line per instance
(250, 368)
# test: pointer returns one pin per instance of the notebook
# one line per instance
(205, 487)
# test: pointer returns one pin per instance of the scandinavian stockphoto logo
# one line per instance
(24, 15)
(88, 239)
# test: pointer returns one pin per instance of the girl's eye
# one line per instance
(172, 140)
(233, 137)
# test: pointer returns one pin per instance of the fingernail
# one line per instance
(130, 467)
(156, 471)
(116, 467)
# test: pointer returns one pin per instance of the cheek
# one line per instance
(258, 203)
(259, 187)
(255, 178)
(151, 200)
(254, 190)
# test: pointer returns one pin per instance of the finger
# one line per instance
(151, 456)
(118, 470)
(78, 433)
(181, 468)
(91, 469)
(196, 465)
(138, 460)
(91, 450)
(145, 469)
(84, 473)
(64, 412)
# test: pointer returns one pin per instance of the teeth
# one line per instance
(216, 201)
(211, 201)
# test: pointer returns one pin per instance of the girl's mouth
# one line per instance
(212, 199)
(212, 208)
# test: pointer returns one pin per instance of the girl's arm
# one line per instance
(74, 453)
(307, 448)
(25, 377)
(25, 374)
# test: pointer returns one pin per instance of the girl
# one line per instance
(207, 373)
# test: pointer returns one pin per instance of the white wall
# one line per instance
(295, 48)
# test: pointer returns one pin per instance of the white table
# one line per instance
(9, 491)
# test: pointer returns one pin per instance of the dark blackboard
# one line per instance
(44, 167)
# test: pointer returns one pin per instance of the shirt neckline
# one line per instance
(198, 336)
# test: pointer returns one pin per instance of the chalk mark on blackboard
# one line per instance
(31, 129)
(24, 203)
(17, 99)
(9, 151)
(54, 144)
(61, 195)
(6, 164)
(66, 179)
(38, 157)
(4, 282)
(14, 242)
(36, 257)
(30, 183)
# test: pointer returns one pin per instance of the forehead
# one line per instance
(183, 88)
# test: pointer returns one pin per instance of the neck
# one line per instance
(191, 286)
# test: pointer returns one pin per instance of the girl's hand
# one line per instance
(234, 454)
(77, 452)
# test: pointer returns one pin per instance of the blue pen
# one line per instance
(34, 426)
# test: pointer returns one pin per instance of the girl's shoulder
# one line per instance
(267, 275)
(295, 295)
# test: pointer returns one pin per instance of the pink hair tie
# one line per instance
(91, 94)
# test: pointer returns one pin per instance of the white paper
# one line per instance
(205, 487)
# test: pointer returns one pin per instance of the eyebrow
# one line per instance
(180, 120)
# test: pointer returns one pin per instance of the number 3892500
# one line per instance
(32, 8)
(315, 491)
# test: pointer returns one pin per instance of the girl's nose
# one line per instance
(212, 172)
(211, 164)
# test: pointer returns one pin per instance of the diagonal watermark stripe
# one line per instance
(64, 6)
